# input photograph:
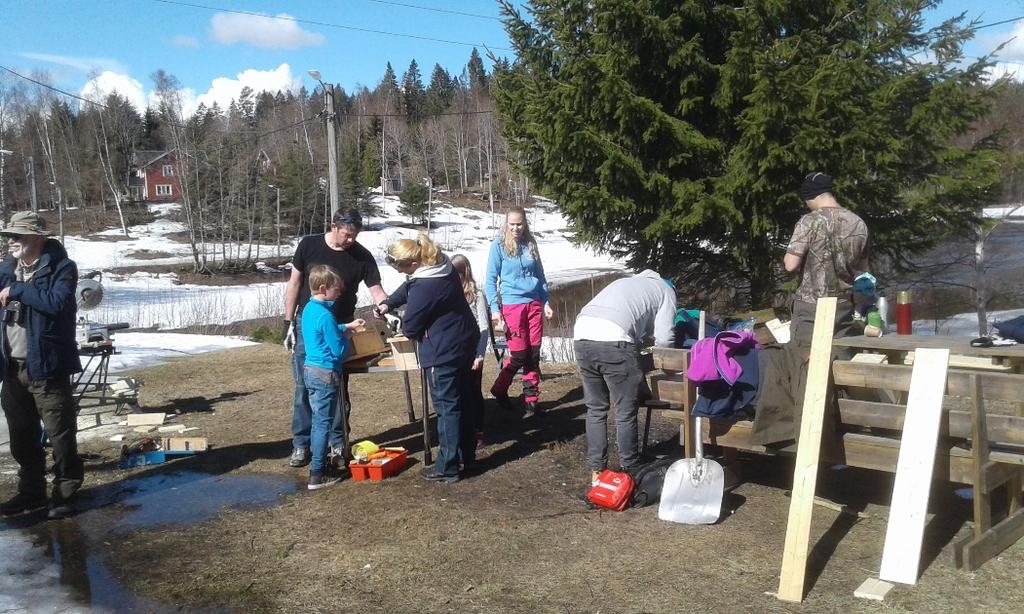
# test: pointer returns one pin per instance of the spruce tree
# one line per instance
(440, 91)
(476, 71)
(675, 132)
(413, 94)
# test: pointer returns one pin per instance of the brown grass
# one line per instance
(516, 538)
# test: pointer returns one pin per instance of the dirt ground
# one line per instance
(514, 538)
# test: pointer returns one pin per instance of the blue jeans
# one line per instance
(301, 410)
(451, 396)
(322, 389)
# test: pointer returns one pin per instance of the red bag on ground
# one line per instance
(612, 490)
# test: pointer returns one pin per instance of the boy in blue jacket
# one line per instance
(325, 345)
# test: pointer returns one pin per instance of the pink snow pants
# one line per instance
(524, 327)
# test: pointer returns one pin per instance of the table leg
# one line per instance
(408, 397)
(428, 457)
(344, 428)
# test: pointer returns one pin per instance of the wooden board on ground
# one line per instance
(873, 588)
(185, 444)
(145, 419)
(805, 474)
(901, 556)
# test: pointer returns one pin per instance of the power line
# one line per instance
(995, 23)
(437, 10)
(98, 104)
(329, 25)
(237, 131)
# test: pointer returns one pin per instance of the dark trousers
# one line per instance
(611, 376)
(450, 393)
(25, 403)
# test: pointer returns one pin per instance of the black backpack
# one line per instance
(649, 480)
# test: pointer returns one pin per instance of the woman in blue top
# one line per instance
(517, 293)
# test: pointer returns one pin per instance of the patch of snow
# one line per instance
(136, 350)
(962, 324)
(146, 300)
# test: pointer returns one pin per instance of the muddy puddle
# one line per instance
(59, 566)
(188, 497)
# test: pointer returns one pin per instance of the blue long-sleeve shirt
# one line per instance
(322, 335)
(514, 279)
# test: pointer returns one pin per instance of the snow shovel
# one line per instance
(693, 488)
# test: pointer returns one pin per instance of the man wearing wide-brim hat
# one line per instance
(38, 355)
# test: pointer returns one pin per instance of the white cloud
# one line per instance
(1013, 70)
(186, 42)
(1014, 50)
(108, 82)
(223, 90)
(82, 64)
(264, 31)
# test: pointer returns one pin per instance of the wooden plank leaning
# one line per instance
(901, 556)
(805, 474)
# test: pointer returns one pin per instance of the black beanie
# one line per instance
(814, 185)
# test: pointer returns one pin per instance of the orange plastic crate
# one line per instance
(379, 468)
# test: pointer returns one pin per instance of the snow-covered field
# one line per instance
(146, 300)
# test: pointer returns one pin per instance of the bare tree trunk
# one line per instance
(108, 172)
(980, 291)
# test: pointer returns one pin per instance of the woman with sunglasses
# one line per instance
(439, 318)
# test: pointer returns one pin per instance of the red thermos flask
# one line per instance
(904, 321)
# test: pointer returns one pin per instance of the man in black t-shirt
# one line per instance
(338, 249)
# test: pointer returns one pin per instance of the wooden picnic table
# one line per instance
(899, 345)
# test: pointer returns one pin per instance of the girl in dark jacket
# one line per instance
(439, 318)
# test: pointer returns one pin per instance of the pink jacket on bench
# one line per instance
(712, 359)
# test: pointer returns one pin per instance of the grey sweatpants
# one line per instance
(611, 377)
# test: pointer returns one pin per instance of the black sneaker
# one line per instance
(21, 502)
(428, 474)
(320, 480)
(60, 509)
(300, 457)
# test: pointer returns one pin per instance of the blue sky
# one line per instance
(120, 43)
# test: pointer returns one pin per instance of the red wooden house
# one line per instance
(154, 176)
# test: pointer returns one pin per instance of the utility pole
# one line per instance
(278, 224)
(32, 180)
(332, 141)
(3, 200)
(490, 177)
(332, 152)
(60, 211)
(430, 193)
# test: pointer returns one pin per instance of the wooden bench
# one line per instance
(977, 447)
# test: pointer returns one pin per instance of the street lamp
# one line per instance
(332, 143)
(278, 224)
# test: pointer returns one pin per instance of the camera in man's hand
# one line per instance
(14, 313)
